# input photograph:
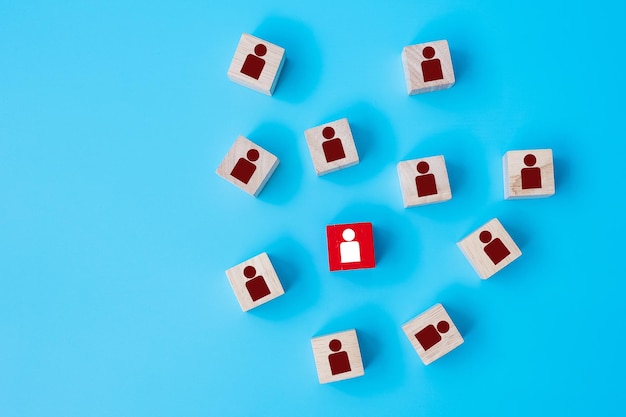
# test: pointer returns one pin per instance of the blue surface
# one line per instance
(115, 232)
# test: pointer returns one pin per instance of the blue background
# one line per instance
(115, 231)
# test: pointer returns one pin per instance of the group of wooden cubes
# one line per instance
(427, 67)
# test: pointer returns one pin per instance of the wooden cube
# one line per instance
(427, 67)
(424, 181)
(432, 334)
(257, 64)
(528, 174)
(248, 166)
(489, 248)
(254, 282)
(337, 356)
(331, 146)
(350, 246)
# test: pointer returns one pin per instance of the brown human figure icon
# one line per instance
(339, 361)
(425, 183)
(254, 64)
(431, 68)
(495, 249)
(256, 286)
(244, 168)
(333, 148)
(531, 176)
(429, 336)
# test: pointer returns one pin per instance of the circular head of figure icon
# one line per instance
(335, 345)
(530, 160)
(485, 236)
(423, 167)
(253, 155)
(443, 326)
(260, 49)
(328, 132)
(428, 52)
(249, 271)
(348, 235)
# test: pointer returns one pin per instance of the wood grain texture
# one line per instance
(408, 172)
(513, 164)
(412, 58)
(450, 339)
(265, 166)
(264, 269)
(315, 141)
(322, 351)
(274, 60)
(474, 249)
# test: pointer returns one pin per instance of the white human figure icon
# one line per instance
(349, 250)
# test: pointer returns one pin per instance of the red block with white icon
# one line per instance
(350, 246)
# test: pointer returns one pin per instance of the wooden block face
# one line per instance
(489, 248)
(424, 181)
(257, 64)
(248, 166)
(528, 174)
(427, 67)
(254, 282)
(350, 246)
(432, 334)
(337, 356)
(331, 146)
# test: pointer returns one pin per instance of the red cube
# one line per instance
(350, 246)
